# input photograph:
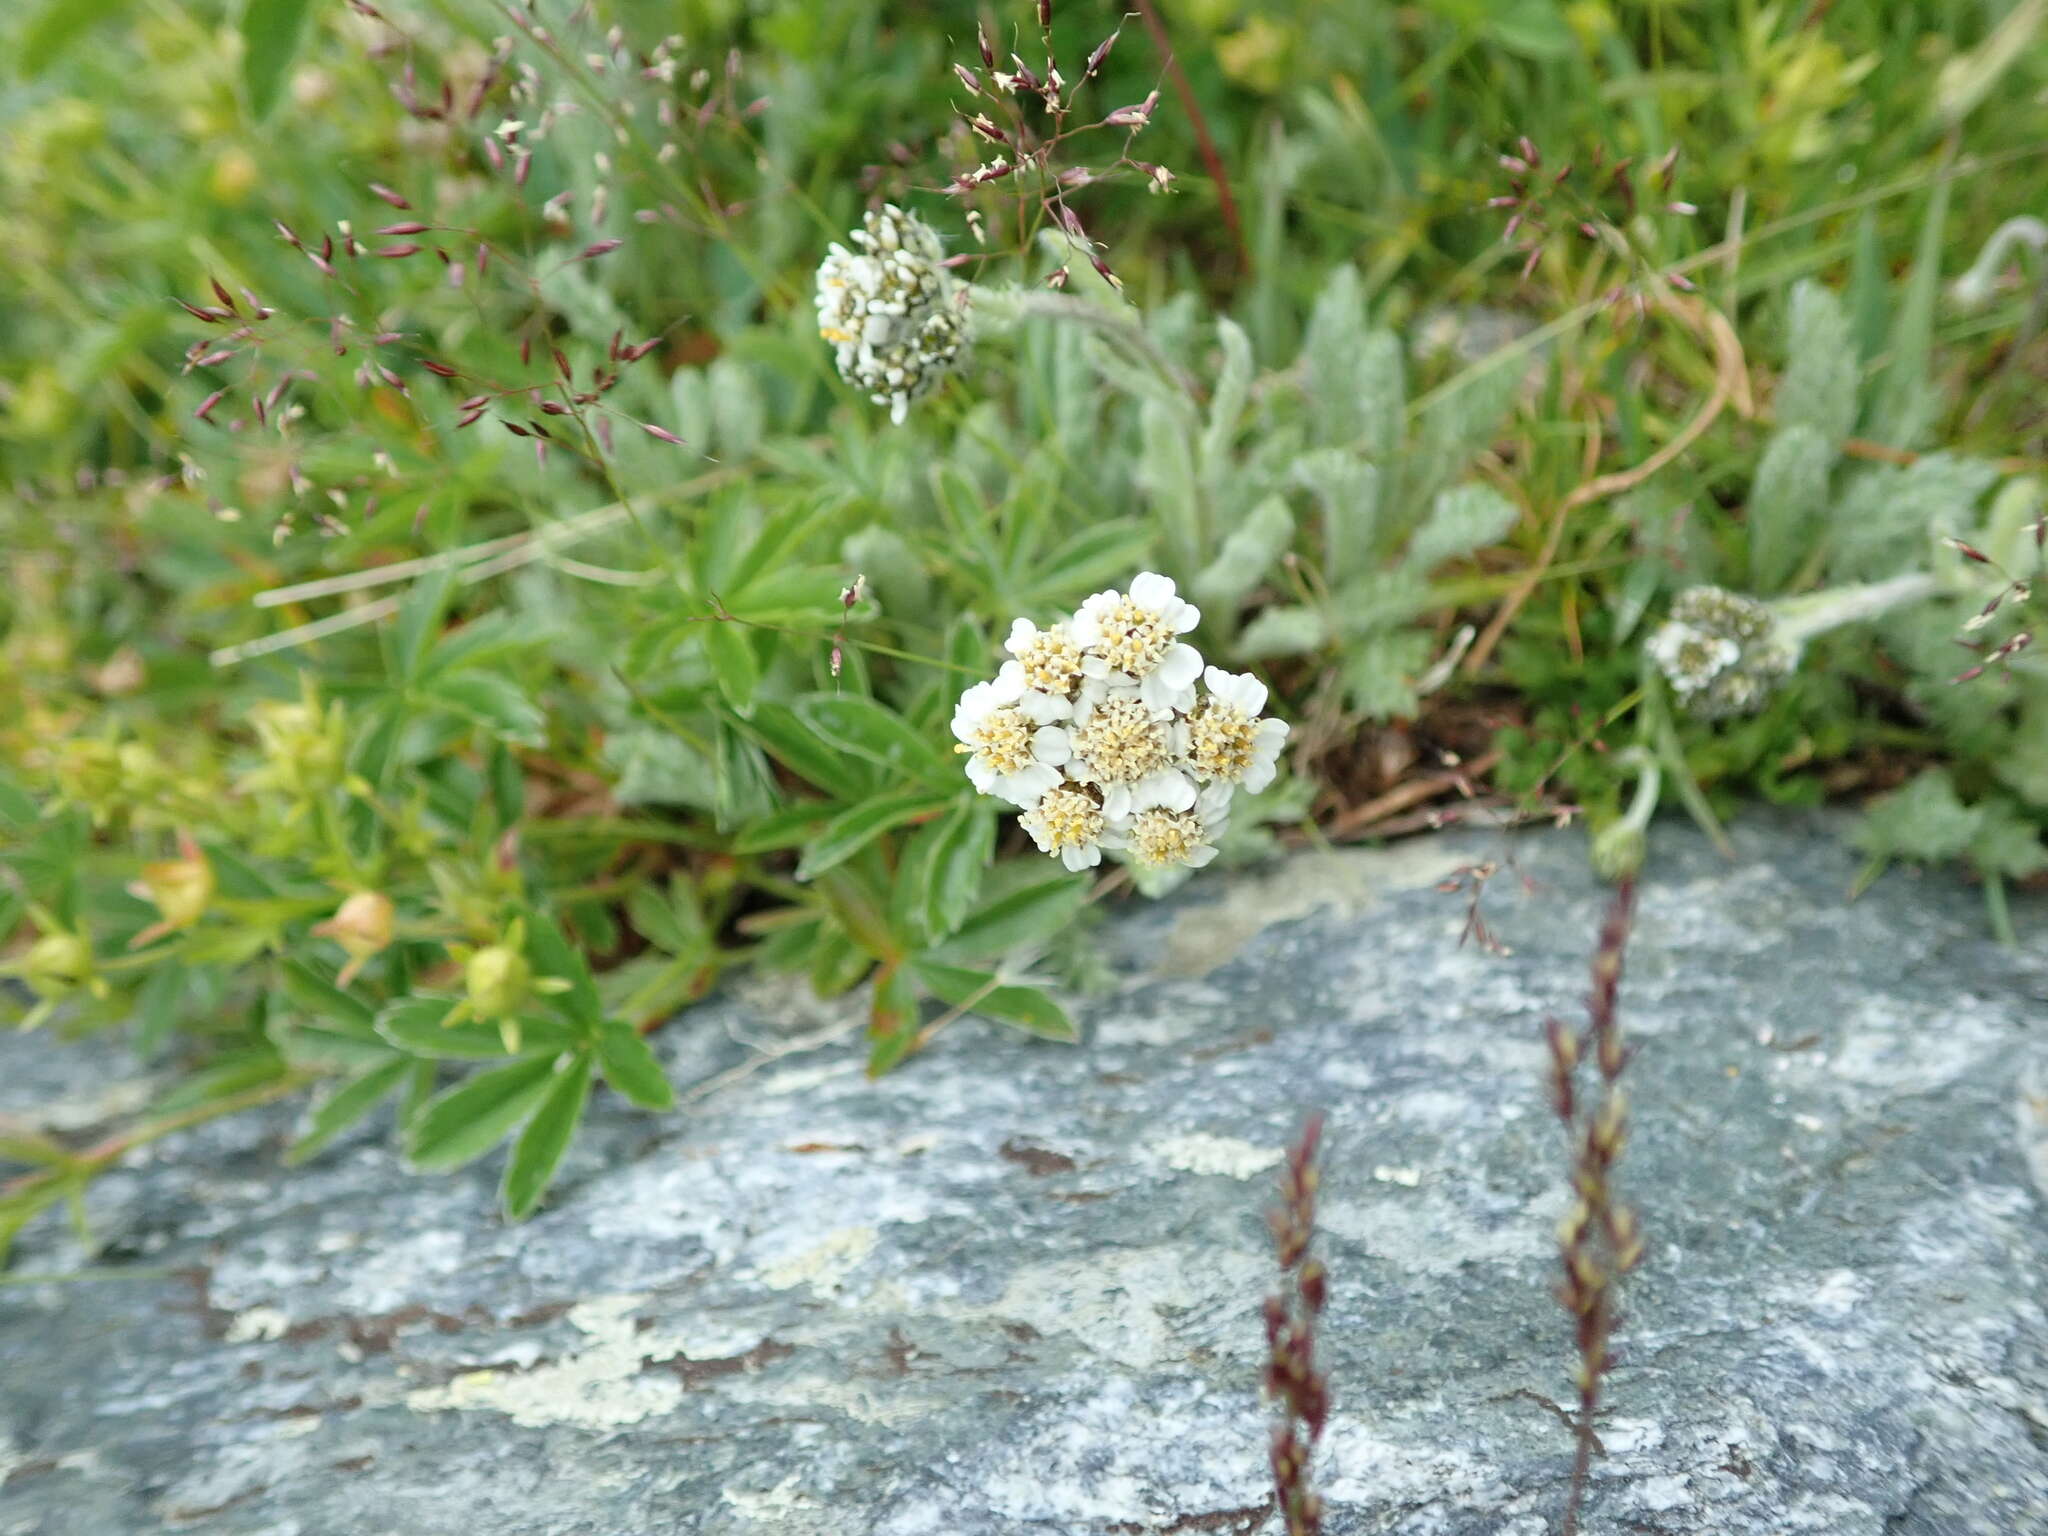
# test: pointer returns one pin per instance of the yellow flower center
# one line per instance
(1051, 662)
(1065, 818)
(1160, 838)
(1221, 741)
(1134, 638)
(1122, 742)
(1003, 740)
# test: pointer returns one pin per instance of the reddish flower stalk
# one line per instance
(1292, 1380)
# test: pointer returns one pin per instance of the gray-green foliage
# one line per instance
(1317, 462)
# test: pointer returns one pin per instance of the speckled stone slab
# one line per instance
(1014, 1287)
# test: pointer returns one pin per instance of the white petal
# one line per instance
(1078, 859)
(1116, 803)
(1163, 698)
(1271, 735)
(1009, 685)
(1180, 666)
(1259, 775)
(1199, 855)
(1168, 789)
(1050, 744)
(1028, 785)
(1238, 688)
(1112, 837)
(1022, 633)
(983, 776)
(1044, 708)
(1213, 804)
(1094, 666)
(1151, 590)
(1182, 616)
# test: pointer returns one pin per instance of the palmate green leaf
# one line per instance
(630, 1066)
(790, 828)
(419, 620)
(668, 919)
(414, 1025)
(798, 747)
(538, 1152)
(848, 833)
(1096, 556)
(730, 651)
(493, 701)
(349, 1104)
(874, 733)
(1029, 915)
(946, 862)
(553, 955)
(462, 1124)
(980, 992)
(315, 994)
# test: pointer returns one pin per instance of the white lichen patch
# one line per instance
(601, 1386)
(1432, 1233)
(1222, 1156)
(1140, 1306)
(258, 1323)
(1344, 880)
(774, 1506)
(824, 1265)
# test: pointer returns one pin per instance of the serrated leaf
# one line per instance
(1924, 821)
(1226, 401)
(1462, 520)
(631, 1067)
(1252, 550)
(1284, 631)
(348, 1104)
(539, 1150)
(1347, 493)
(1380, 673)
(848, 833)
(979, 992)
(1787, 504)
(553, 955)
(462, 1124)
(1821, 371)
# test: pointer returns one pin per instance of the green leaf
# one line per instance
(730, 652)
(1462, 520)
(1290, 630)
(1787, 504)
(630, 1066)
(1226, 400)
(1821, 368)
(871, 732)
(1347, 492)
(848, 833)
(1029, 915)
(414, 1025)
(797, 747)
(553, 955)
(948, 861)
(270, 38)
(493, 701)
(539, 1150)
(419, 617)
(1027, 1008)
(668, 920)
(1380, 673)
(314, 994)
(1925, 821)
(55, 27)
(462, 1124)
(1253, 548)
(347, 1105)
(893, 1022)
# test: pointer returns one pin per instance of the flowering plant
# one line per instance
(1095, 729)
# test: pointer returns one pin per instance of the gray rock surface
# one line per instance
(1015, 1286)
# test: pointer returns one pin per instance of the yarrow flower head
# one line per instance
(896, 317)
(1721, 652)
(1095, 729)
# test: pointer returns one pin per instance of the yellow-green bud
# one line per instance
(180, 888)
(1619, 850)
(56, 964)
(88, 774)
(497, 979)
(303, 747)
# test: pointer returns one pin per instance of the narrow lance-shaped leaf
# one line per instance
(538, 1152)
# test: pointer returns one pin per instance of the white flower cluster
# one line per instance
(894, 313)
(1721, 652)
(1096, 729)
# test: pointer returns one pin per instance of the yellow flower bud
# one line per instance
(56, 964)
(497, 979)
(180, 888)
(303, 747)
(363, 926)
